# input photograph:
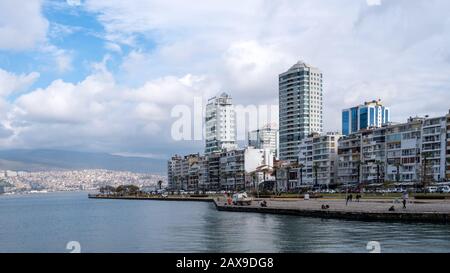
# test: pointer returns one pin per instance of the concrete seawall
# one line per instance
(192, 199)
(430, 217)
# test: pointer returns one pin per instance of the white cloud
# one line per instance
(22, 25)
(74, 2)
(10, 83)
(397, 51)
(100, 114)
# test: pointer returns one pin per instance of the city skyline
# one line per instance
(102, 76)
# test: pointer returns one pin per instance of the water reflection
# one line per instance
(45, 223)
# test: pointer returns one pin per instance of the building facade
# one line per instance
(447, 170)
(264, 138)
(183, 172)
(370, 114)
(237, 165)
(318, 160)
(349, 159)
(373, 155)
(403, 148)
(220, 124)
(434, 148)
(300, 107)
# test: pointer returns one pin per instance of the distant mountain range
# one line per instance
(46, 159)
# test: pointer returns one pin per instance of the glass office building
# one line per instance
(371, 114)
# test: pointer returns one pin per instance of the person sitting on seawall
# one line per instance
(264, 204)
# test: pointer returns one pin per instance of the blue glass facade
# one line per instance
(354, 115)
(370, 114)
(363, 118)
(345, 122)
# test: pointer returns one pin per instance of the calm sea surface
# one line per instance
(47, 222)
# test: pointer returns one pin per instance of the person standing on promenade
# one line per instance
(348, 199)
(404, 197)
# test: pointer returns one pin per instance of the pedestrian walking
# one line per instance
(405, 197)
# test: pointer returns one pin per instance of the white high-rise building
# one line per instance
(220, 123)
(301, 107)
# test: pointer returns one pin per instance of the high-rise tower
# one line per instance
(301, 108)
(220, 123)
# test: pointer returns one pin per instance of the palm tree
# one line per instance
(301, 166)
(425, 178)
(276, 168)
(397, 165)
(379, 163)
(160, 184)
(315, 169)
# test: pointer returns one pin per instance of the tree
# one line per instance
(315, 169)
(160, 184)
(127, 189)
(426, 179)
(397, 165)
(301, 166)
(379, 164)
(107, 189)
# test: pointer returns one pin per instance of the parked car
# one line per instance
(432, 189)
(443, 189)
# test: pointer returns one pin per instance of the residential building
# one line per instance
(236, 166)
(403, 148)
(264, 138)
(317, 163)
(447, 170)
(183, 172)
(211, 171)
(434, 147)
(174, 172)
(370, 114)
(220, 124)
(300, 107)
(349, 159)
(373, 155)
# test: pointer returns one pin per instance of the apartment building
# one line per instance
(447, 170)
(300, 106)
(236, 165)
(220, 124)
(373, 155)
(403, 148)
(349, 159)
(434, 148)
(318, 160)
(264, 138)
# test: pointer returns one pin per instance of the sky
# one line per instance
(104, 75)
